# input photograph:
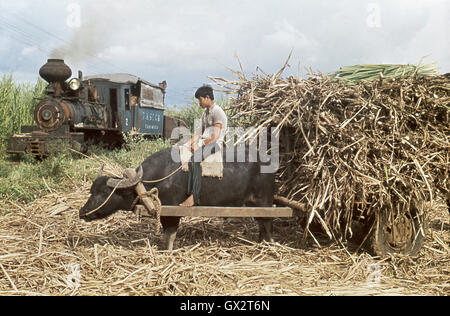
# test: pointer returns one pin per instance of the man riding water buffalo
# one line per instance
(207, 141)
(243, 183)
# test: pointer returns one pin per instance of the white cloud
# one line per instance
(185, 41)
(7, 5)
(27, 51)
(21, 77)
(288, 36)
(433, 39)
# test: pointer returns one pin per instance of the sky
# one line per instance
(185, 42)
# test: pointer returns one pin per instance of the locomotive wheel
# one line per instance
(398, 233)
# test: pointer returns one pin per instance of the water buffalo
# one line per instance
(243, 184)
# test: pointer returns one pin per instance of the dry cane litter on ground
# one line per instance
(45, 254)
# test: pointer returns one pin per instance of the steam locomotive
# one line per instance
(92, 110)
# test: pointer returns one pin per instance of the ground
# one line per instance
(46, 250)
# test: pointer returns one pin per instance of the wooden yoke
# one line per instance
(152, 207)
(150, 204)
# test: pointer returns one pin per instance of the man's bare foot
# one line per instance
(189, 202)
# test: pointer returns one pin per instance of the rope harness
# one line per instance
(106, 201)
(165, 178)
(150, 199)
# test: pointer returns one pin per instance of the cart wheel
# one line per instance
(398, 233)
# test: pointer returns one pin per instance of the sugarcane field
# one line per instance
(301, 175)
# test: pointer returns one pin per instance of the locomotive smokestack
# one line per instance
(55, 70)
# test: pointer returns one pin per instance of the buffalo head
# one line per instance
(109, 195)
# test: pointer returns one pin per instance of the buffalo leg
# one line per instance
(170, 226)
(169, 238)
(265, 229)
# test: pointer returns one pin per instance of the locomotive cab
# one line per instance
(137, 106)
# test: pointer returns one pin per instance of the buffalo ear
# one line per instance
(131, 179)
(112, 183)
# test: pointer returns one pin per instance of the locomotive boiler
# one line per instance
(71, 103)
(92, 110)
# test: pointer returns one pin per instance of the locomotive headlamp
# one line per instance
(74, 84)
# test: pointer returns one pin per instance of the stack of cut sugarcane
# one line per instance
(353, 150)
(353, 74)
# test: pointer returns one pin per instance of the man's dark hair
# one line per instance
(205, 91)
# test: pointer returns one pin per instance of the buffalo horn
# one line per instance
(100, 172)
(127, 182)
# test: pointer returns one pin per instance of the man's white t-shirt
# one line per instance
(212, 116)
